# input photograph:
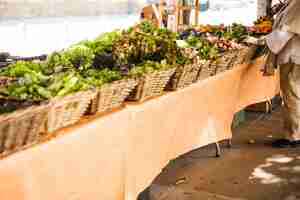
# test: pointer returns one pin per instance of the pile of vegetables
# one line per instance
(116, 55)
(91, 63)
(212, 40)
(204, 48)
(145, 42)
(262, 26)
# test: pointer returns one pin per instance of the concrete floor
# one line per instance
(251, 170)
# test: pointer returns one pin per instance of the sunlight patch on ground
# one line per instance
(280, 159)
(266, 177)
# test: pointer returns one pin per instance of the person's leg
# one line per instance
(290, 87)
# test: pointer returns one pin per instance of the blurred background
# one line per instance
(33, 27)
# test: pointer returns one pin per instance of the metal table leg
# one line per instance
(229, 143)
(218, 150)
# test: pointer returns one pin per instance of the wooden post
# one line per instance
(197, 10)
(161, 12)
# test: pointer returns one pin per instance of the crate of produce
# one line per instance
(151, 85)
(68, 110)
(22, 124)
(112, 96)
(184, 76)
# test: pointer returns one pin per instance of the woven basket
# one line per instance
(4, 80)
(68, 110)
(225, 61)
(151, 85)
(207, 69)
(112, 96)
(184, 76)
(244, 55)
(22, 128)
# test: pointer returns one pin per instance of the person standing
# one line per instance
(284, 44)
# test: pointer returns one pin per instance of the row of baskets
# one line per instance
(26, 127)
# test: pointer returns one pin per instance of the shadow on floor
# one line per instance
(251, 170)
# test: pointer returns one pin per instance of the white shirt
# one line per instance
(285, 45)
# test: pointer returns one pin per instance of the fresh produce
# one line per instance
(78, 57)
(145, 42)
(20, 68)
(148, 66)
(236, 32)
(102, 48)
(262, 26)
(65, 83)
(112, 56)
(97, 78)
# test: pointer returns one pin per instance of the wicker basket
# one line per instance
(244, 55)
(184, 76)
(207, 69)
(112, 96)
(4, 80)
(68, 110)
(225, 61)
(151, 85)
(22, 128)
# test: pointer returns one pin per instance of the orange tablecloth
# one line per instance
(117, 156)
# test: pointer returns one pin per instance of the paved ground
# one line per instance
(251, 170)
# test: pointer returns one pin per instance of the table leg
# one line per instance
(229, 143)
(218, 150)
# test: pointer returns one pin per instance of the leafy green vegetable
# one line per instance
(148, 67)
(97, 78)
(56, 63)
(103, 43)
(145, 42)
(80, 57)
(236, 32)
(66, 83)
(20, 68)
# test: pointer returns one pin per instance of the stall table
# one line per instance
(116, 156)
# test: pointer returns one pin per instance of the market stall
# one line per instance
(64, 134)
(118, 155)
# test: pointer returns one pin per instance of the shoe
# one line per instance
(283, 143)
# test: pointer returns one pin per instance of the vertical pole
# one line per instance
(197, 10)
(177, 14)
(161, 13)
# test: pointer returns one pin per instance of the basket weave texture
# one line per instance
(111, 96)
(4, 80)
(244, 55)
(68, 110)
(225, 61)
(207, 69)
(151, 85)
(22, 128)
(184, 76)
